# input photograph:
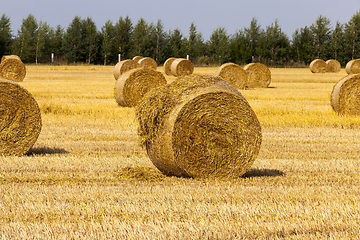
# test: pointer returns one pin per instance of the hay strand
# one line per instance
(181, 67)
(124, 66)
(233, 74)
(345, 97)
(20, 123)
(147, 63)
(167, 66)
(318, 66)
(133, 84)
(12, 68)
(199, 126)
(333, 66)
(259, 75)
(353, 66)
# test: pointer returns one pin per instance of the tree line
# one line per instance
(83, 42)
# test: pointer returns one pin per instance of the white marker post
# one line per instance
(52, 57)
(187, 57)
(119, 57)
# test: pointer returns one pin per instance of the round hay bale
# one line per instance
(12, 68)
(318, 66)
(20, 123)
(199, 126)
(345, 97)
(333, 66)
(124, 66)
(233, 74)
(167, 66)
(137, 58)
(147, 63)
(259, 75)
(182, 67)
(133, 84)
(353, 66)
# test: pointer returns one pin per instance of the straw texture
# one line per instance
(345, 97)
(167, 66)
(124, 66)
(147, 63)
(181, 67)
(199, 126)
(137, 58)
(12, 68)
(318, 66)
(233, 74)
(353, 66)
(259, 75)
(20, 123)
(333, 66)
(133, 84)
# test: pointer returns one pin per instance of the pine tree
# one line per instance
(6, 37)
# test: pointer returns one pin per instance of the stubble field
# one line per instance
(87, 177)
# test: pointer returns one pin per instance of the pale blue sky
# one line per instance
(207, 15)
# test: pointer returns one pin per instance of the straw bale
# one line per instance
(199, 126)
(147, 63)
(124, 66)
(333, 66)
(353, 66)
(345, 97)
(20, 123)
(259, 75)
(233, 74)
(12, 68)
(167, 66)
(318, 66)
(137, 58)
(182, 67)
(133, 84)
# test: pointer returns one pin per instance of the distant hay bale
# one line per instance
(318, 66)
(233, 74)
(259, 75)
(353, 66)
(199, 126)
(137, 58)
(345, 97)
(333, 66)
(124, 66)
(20, 123)
(147, 63)
(12, 68)
(133, 84)
(167, 66)
(181, 67)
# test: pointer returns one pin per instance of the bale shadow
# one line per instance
(45, 150)
(263, 173)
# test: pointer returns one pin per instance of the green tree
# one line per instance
(302, 45)
(218, 45)
(176, 41)
(89, 39)
(57, 42)
(352, 37)
(26, 40)
(159, 42)
(194, 45)
(321, 31)
(73, 44)
(240, 48)
(141, 39)
(6, 37)
(253, 33)
(336, 50)
(123, 31)
(107, 37)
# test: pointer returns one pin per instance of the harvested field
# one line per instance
(88, 177)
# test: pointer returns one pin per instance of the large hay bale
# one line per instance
(133, 84)
(199, 126)
(147, 63)
(124, 66)
(353, 66)
(259, 75)
(333, 66)
(137, 58)
(233, 74)
(345, 97)
(12, 68)
(181, 67)
(20, 123)
(318, 66)
(167, 66)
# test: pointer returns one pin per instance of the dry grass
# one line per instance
(87, 177)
